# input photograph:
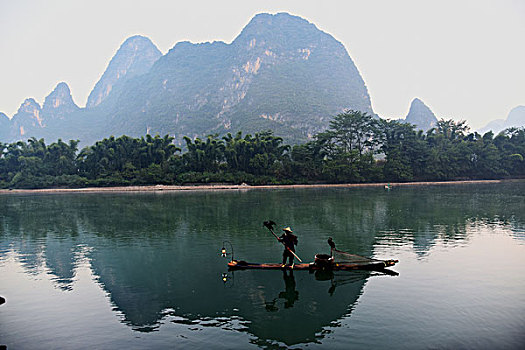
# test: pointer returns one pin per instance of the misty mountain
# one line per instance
(27, 121)
(495, 125)
(33, 120)
(59, 104)
(421, 116)
(134, 57)
(515, 118)
(5, 125)
(280, 73)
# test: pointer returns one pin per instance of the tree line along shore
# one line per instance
(355, 148)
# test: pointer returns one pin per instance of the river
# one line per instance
(144, 270)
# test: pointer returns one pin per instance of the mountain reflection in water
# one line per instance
(157, 255)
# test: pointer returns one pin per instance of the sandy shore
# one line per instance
(218, 187)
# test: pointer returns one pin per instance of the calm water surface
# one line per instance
(143, 271)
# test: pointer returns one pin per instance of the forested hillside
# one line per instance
(356, 147)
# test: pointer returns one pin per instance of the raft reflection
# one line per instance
(299, 308)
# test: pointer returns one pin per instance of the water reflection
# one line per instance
(289, 295)
(156, 254)
(291, 307)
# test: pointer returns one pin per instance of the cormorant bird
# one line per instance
(332, 245)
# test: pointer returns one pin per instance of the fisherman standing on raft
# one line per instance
(290, 241)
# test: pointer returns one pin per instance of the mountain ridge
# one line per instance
(515, 118)
(5, 124)
(280, 73)
(27, 119)
(59, 103)
(135, 56)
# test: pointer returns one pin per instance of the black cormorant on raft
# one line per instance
(336, 261)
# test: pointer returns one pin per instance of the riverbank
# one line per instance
(225, 187)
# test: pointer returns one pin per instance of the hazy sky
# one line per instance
(464, 59)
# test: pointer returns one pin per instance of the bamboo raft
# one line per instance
(313, 266)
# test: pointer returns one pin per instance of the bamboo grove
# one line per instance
(355, 148)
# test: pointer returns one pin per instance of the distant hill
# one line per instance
(515, 118)
(134, 57)
(59, 104)
(33, 120)
(495, 125)
(281, 73)
(27, 121)
(5, 125)
(421, 116)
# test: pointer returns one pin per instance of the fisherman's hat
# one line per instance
(287, 229)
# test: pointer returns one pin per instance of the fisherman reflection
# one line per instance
(290, 295)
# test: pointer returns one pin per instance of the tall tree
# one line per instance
(204, 155)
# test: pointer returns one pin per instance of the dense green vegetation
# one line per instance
(355, 148)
